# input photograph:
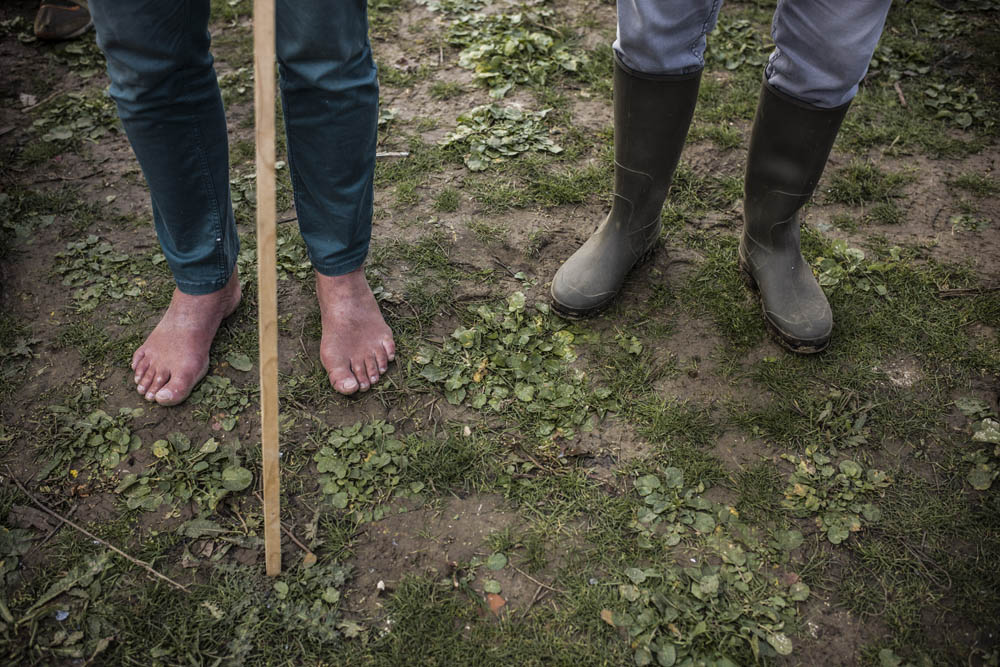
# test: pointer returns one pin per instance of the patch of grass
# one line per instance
(716, 290)
(897, 582)
(455, 462)
(597, 71)
(877, 119)
(977, 184)
(16, 353)
(447, 200)
(446, 90)
(723, 135)
(487, 233)
(25, 213)
(436, 624)
(863, 182)
(389, 75)
(382, 17)
(92, 341)
(760, 488)
(533, 183)
(414, 169)
(885, 213)
(725, 97)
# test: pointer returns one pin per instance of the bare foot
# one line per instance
(175, 356)
(357, 344)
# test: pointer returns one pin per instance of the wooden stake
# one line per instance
(267, 277)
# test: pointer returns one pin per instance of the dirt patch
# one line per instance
(438, 539)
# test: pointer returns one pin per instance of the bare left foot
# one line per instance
(357, 344)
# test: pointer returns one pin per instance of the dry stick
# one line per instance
(141, 563)
(899, 92)
(267, 276)
(540, 583)
(969, 291)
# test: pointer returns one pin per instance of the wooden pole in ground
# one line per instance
(267, 279)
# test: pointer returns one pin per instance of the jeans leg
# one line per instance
(823, 48)
(165, 87)
(329, 93)
(664, 38)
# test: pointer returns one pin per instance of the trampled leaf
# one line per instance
(988, 431)
(781, 643)
(497, 561)
(788, 540)
(236, 478)
(981, 476)
(646, 484)
(239, 361)
(971, 407)
(798, 591)
(636, 575)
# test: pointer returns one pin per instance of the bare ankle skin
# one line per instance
(357, 344)
(174, 357)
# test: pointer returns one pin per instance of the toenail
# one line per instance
(149, 396)
(374, 379)
(164, 395)
(381, 369)
(141, 389)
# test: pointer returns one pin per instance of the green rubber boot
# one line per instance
(789, 147)
(652, 116)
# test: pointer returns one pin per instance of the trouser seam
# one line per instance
(693, 47)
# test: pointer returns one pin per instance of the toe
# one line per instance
(174, 391)
(360, 373)
(159, 380)
(343, 380)
(389, 345)
(381, 359)
(141, 367)
(146, 379)
(137, 357)
(371, 367)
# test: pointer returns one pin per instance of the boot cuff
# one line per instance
(655, 77)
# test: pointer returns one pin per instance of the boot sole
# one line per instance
(585, 313)
(789, 343)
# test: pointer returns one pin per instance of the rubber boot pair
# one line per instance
(789, 146)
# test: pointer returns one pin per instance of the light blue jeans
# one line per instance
(822, 47)
(164, 84)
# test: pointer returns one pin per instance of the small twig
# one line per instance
(536, 581)
(967, 291)
(504, 266)
(143, 564)
(43, 101)
(535, 598)
(899, 91)
(393, 154)
(56, 177)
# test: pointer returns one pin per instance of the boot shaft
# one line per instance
(789, 146)
(652, 117)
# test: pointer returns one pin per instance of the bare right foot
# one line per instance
(175, 356)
